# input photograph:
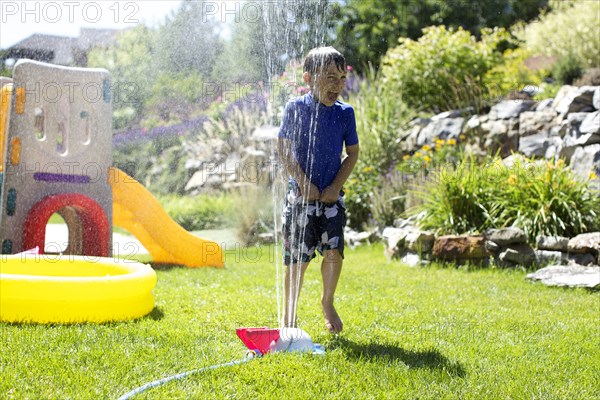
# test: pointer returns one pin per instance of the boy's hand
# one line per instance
(311, 192)
(330, 195)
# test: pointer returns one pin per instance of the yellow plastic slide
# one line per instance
(137, 210)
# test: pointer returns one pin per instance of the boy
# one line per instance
(314, 130)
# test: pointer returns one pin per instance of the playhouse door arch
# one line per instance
(89, 229)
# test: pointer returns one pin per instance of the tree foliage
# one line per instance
(569, 31)
(444, 69)
(368, 28)
(189, 41)
(159, 72)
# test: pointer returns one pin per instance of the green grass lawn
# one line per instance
(414, 333)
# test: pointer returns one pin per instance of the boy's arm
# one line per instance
(307, 189)
(331, 193)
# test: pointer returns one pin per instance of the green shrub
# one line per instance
(547, 199)
(567, 69)
(539, 197)
(548, 91)
(571, 28)
(444, 68)
(512, 74)
(457, 199)
(200, 212)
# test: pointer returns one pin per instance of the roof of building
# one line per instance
(60, 49)
(60, 46)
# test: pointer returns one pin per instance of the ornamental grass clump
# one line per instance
(545, 198)
(458, 198)
(541, 197)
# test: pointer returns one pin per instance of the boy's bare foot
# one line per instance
(333, 322)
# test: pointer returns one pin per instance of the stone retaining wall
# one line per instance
(507, 247)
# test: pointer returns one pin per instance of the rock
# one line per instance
(473, 122)
(533, 122)
(412, 259)
(449, 128)
(419, 242)
(585, 160)
(545, 257)
(572, 276)
(501, 135)
(571, 99)
(422, 122)
(404, 223)
(394, 242)
(250, 153)
(453, 114)
(266, 237)
(510, 161)
(519, 253)
(459, 248)
(510, 108)
(492, 247)
(410, 141)
(536, 145)
(495, 128)
(554, 146)
(582, 259)
(545, 105)
(596, 99)
(585, 243)
(202, 178)
(265, 133)
(510, 255)
(558, 243)
(591, 124)
(506, 236)
(354, 238)
(574, 136)
(192, 163)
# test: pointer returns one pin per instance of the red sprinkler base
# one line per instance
(258, 339)
(265, 340)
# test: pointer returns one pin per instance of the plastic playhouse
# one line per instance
(56, 156)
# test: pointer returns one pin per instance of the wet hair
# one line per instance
(321, 58)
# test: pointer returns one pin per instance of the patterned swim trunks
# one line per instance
(310, 226)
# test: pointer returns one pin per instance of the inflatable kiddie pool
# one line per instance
(71, 289)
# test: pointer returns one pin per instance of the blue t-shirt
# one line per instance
(318, 134)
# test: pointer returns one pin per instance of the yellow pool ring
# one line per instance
(71, 289)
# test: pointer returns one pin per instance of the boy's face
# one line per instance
(327, 85)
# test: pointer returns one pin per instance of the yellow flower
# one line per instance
(440, 142)
(406, 157)
(592, 176)
(462, 137)
(417, 155)
(511, 180)
(427, 159)
(367, 169)
(426, 147)
(451, 142)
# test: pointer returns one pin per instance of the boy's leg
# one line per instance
(294, 276)
(300, 243)
(331, 268)
(333, 222)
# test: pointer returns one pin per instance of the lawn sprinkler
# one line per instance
(261, 341)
